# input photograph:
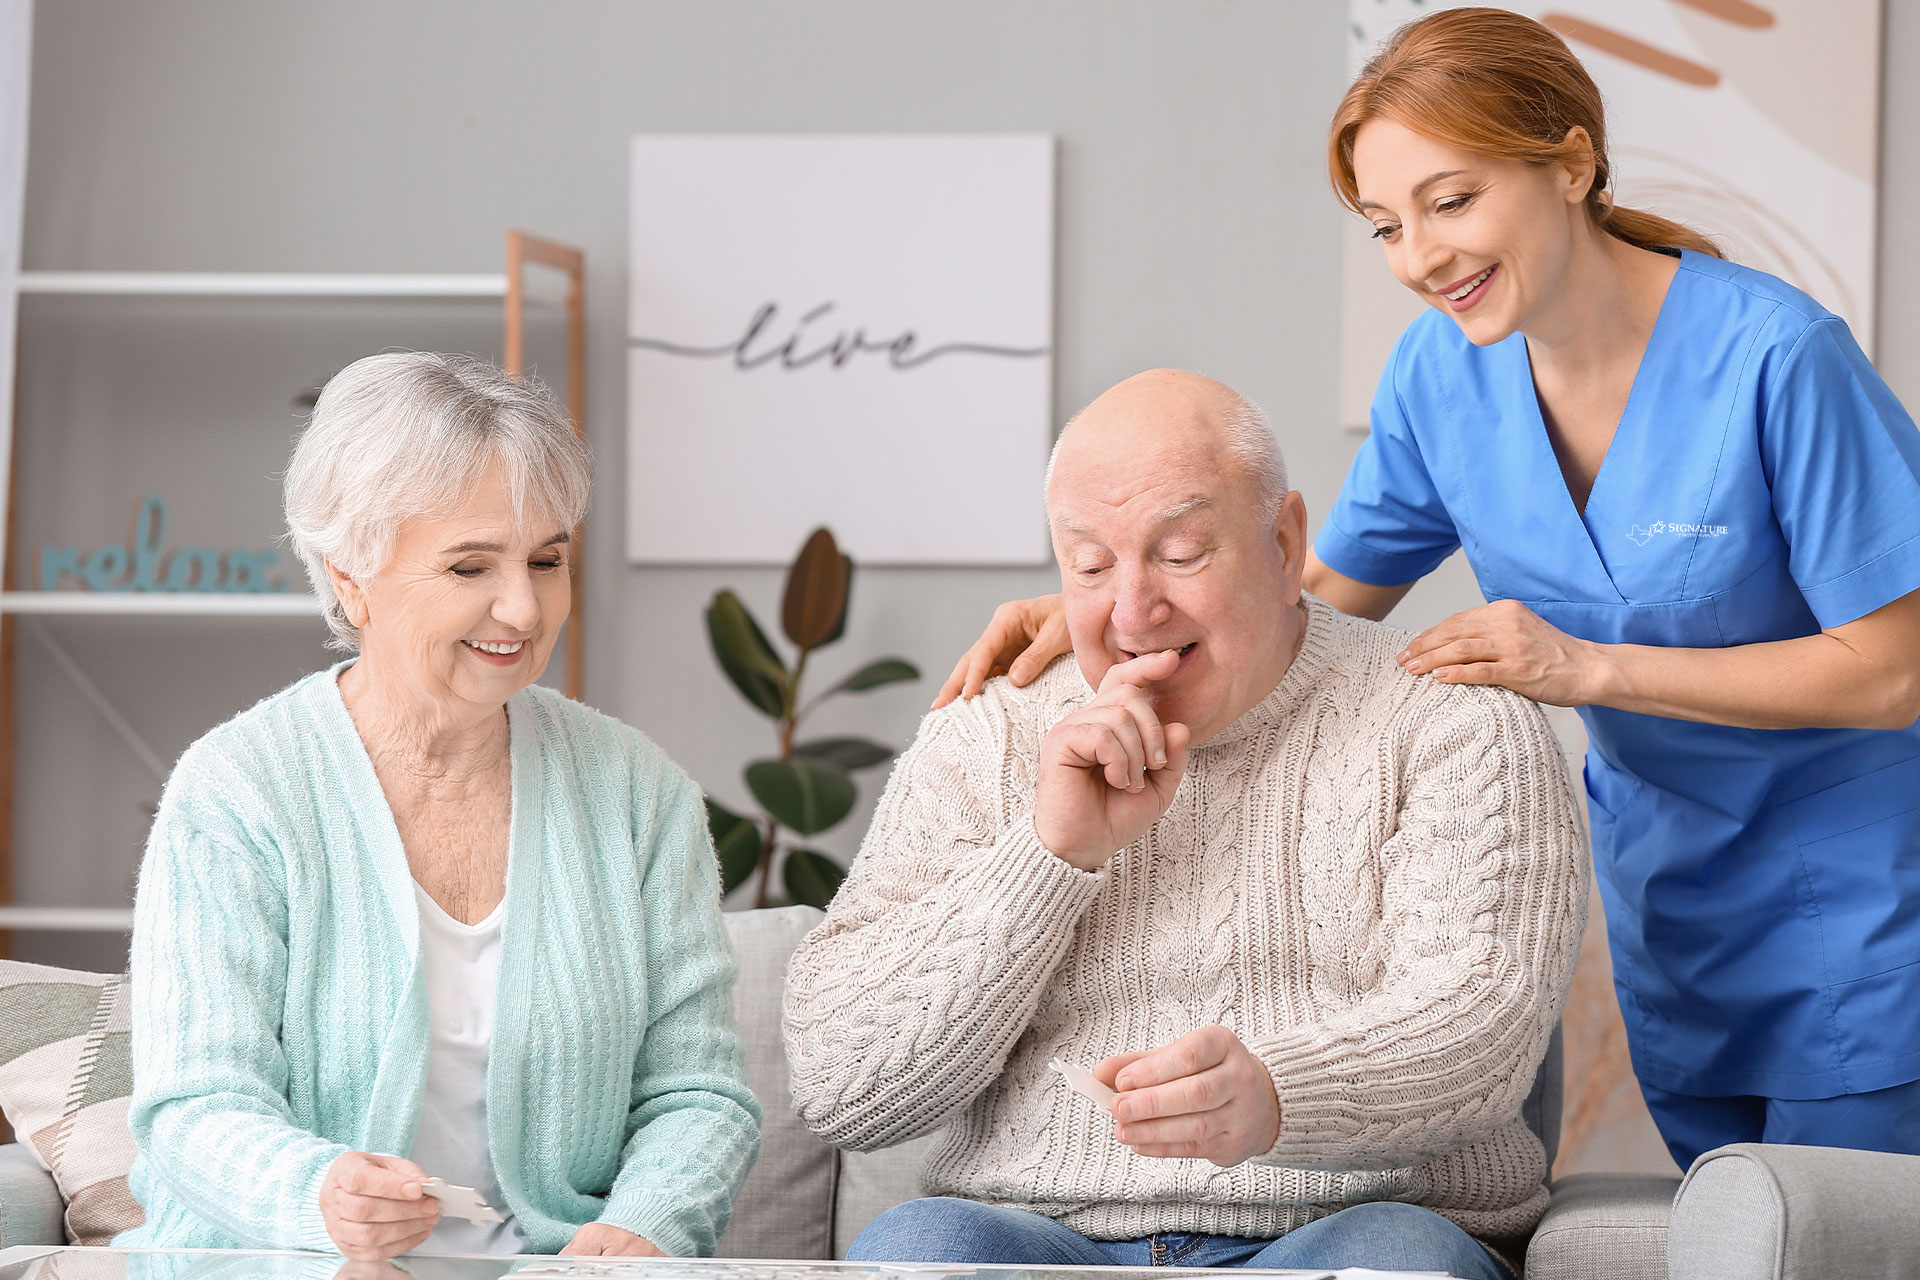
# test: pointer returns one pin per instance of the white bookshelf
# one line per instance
(66, 919)
(246, 284)
(186, 604)
(509, 288)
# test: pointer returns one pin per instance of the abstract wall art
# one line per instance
(1754, 121)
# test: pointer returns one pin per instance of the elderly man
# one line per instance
(1312, 917)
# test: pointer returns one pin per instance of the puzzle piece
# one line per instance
(461, 1202)
(1083, 1082)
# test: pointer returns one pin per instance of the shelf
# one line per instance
(198, 604)
(538, 273)
(56, 919)
(242, 284)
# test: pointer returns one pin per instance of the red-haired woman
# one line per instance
(1694, 509)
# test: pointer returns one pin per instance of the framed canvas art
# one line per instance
(854, 331)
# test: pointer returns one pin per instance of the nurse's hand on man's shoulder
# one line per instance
(1109, 770)
(1205, 1096)
(374, 1207)
(1022, 637)
(1508, 644)
(604, 1240)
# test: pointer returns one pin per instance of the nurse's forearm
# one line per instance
(1350, 595)
(1863, 675)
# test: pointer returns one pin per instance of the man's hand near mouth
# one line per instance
(1109, 770)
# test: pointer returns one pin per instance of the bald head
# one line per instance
(1175, 416)
(1174, 531)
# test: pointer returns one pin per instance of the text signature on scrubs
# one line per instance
(1645, 533)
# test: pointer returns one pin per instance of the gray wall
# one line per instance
(1196, 229)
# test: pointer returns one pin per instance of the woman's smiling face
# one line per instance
(1484, 239)
(469, 606)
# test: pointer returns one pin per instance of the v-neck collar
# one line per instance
(398, 1084)
(1548, 460)
(384, 846)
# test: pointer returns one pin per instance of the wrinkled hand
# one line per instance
(1204, 1096)
(604, 1240)
(373, 1206)
(1508, 644)
(1023, 637)
(1109, 770)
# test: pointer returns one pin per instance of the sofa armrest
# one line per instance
(30, 1208)
(1794, 1213)
(1604, 1226)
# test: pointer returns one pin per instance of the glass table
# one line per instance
(45, 1263)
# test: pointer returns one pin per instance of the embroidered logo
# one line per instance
(1642, 534)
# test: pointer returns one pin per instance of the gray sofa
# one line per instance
(1765, 1213)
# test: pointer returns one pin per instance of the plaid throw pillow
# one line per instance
(65, 1072)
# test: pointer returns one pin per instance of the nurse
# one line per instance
(1694, 509)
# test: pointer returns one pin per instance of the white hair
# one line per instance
(1250, 442)
(409, 434)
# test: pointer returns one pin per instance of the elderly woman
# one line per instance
(417, 916)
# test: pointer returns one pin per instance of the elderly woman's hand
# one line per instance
(604, 1240)
(373, 1206)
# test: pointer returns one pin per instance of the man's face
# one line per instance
(1162, 545)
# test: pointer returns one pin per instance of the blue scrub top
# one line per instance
(1762, 887)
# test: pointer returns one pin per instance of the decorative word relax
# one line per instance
(143, 566)
(836, 349)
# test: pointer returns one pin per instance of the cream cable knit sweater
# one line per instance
(1378, 882)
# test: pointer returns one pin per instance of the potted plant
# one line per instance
(808, 786)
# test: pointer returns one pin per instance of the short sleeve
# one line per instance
(1389, 525)
(1842, 460)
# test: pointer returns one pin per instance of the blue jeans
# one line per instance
(1386, 1236)
(1883, 1120)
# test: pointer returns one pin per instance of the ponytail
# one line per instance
(1645, 230)
(1497, 84)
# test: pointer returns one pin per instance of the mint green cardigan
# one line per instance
(279, 1018)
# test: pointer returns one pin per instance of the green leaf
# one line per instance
(848, 753)
(811, 878)
(739, 856)
(875, 674)
(840, 624)
(736, 842)
(746, 655)
(813, 609)
(806, 795)
(721, 819)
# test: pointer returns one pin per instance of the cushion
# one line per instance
(871, 1182)
(1785, 1212)
(30, 1205)
(1604, 1226)
(785, 1210)
(65, 1073)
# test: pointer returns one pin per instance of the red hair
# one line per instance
(1496, 84)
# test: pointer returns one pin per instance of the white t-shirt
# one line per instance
(461, 965)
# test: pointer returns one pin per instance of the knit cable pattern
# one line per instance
(279, 1018)
(1376, 881)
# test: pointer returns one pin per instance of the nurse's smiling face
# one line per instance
(1164, 543)
(1484, 239)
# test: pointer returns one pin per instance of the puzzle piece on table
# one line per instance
(461, 1202)
(1083, 1082)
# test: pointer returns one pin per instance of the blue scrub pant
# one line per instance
(1386, 1236)
(1884, 1120)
